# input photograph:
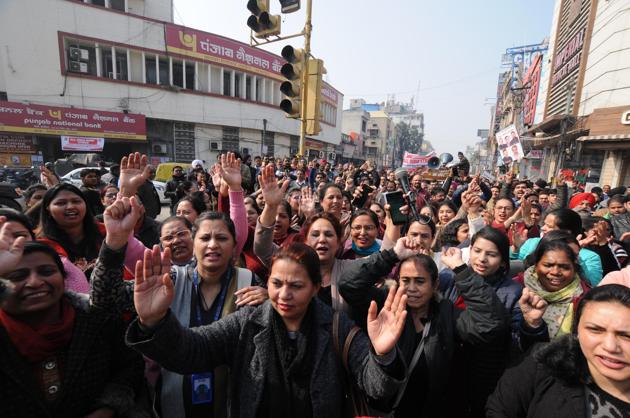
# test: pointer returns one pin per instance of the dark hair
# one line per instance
(505, 198)
(183, 188)
(554, 244)
(424, 261)
(326, 216)
(425, 220)
(105, 189)
(448, 203)
(31, 247)
(552, 191)
(13, 215)
(172, 219)
(198, 205)
(543, 191)
(303, 255)
(436, 190)
(30, 191)
(528, 195)
(537, 206)
(87, 171)
(556, 235)
(448, 237)
(287, 207)
(375, 203)
(617, 198)
(254, 205)
(214, 216)
(502, 243)
(324, 189)
(50, 229)
(365, 212)
(567, 220)
(175, 167)
(614, 293)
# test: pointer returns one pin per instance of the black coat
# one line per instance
(545, 384)
(98, 371)
(484, 322)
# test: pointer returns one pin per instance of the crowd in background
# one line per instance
(295, 288)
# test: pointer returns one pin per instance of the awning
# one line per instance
(605, 142)
(547, 141)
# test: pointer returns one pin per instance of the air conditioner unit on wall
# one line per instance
(159, 148)
(215, 146)
(78, 67)
(79, 54)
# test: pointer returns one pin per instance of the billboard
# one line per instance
(416, 160)
(56, 120)
(509, 143)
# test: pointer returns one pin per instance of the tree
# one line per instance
(407, 139)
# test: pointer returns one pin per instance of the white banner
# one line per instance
(81, 143)
(510, 147)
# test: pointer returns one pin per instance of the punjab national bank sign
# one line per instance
(213, 48)
(55, 120)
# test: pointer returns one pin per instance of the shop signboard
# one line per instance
(416, 160)
(79, 143)
(16, 144)
(56, 120)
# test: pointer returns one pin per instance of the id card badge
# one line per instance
(201, 385)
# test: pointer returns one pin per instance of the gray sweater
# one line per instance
(244, 341)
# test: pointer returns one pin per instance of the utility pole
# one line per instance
(308, 28)
(264, 135)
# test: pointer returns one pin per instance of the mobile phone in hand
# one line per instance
(396, 200)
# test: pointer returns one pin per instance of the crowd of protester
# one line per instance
(295, 288)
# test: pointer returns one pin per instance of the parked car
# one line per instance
(74, 177)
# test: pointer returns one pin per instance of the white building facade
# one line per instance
(88, 68)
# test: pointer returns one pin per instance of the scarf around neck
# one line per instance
(364, 252)
(559, 312)
(42, 341)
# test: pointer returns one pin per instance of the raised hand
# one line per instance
(307, 203)
(231, 171)
(134, 171)
(452, 258)
(518, 237)
(216, 175)
(385, 329)
(120, 218)
(10, 248)
(533, 308)
(47, 177)
(269, 186)
(153, 290)
(407, 247)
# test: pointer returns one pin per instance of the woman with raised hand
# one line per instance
(435, 327)
(60, 356)
(205, 291)
(582, 374)
(554, 278)
(281, 354)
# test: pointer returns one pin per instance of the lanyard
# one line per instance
(224, 288)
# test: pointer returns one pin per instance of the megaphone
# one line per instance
(433, 163)
(446, 158)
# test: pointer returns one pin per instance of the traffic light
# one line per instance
(261, 22)
(293, 71)
(313, 97)
(290, 6)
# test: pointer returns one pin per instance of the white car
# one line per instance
(74, 177)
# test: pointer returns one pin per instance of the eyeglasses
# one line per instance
(179, 234)
(366, 228)
(111, 195)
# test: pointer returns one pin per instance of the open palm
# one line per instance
(231, 170)
(385, 329)
(153, 290)
(269, 186)
(134, 171)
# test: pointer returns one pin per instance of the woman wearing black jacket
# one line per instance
(582, 374)
(434, 327)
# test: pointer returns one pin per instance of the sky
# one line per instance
(444, 54)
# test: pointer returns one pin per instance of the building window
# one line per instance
(227, 90)
(118, 5)
(150, 69)
(248, 87)
(190, 75)
(258, 90)
(237, 84)
(363, 126)
(3, 96)
(269, 143)
(178, 74)
(81, 58)
(121, 65)
(164, 77)
(230, 139)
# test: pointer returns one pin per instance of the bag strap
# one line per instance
(412, 365)
(346, 347)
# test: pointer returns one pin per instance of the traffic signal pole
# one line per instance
(308, 28)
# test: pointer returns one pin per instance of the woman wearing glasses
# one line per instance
(363, 235)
